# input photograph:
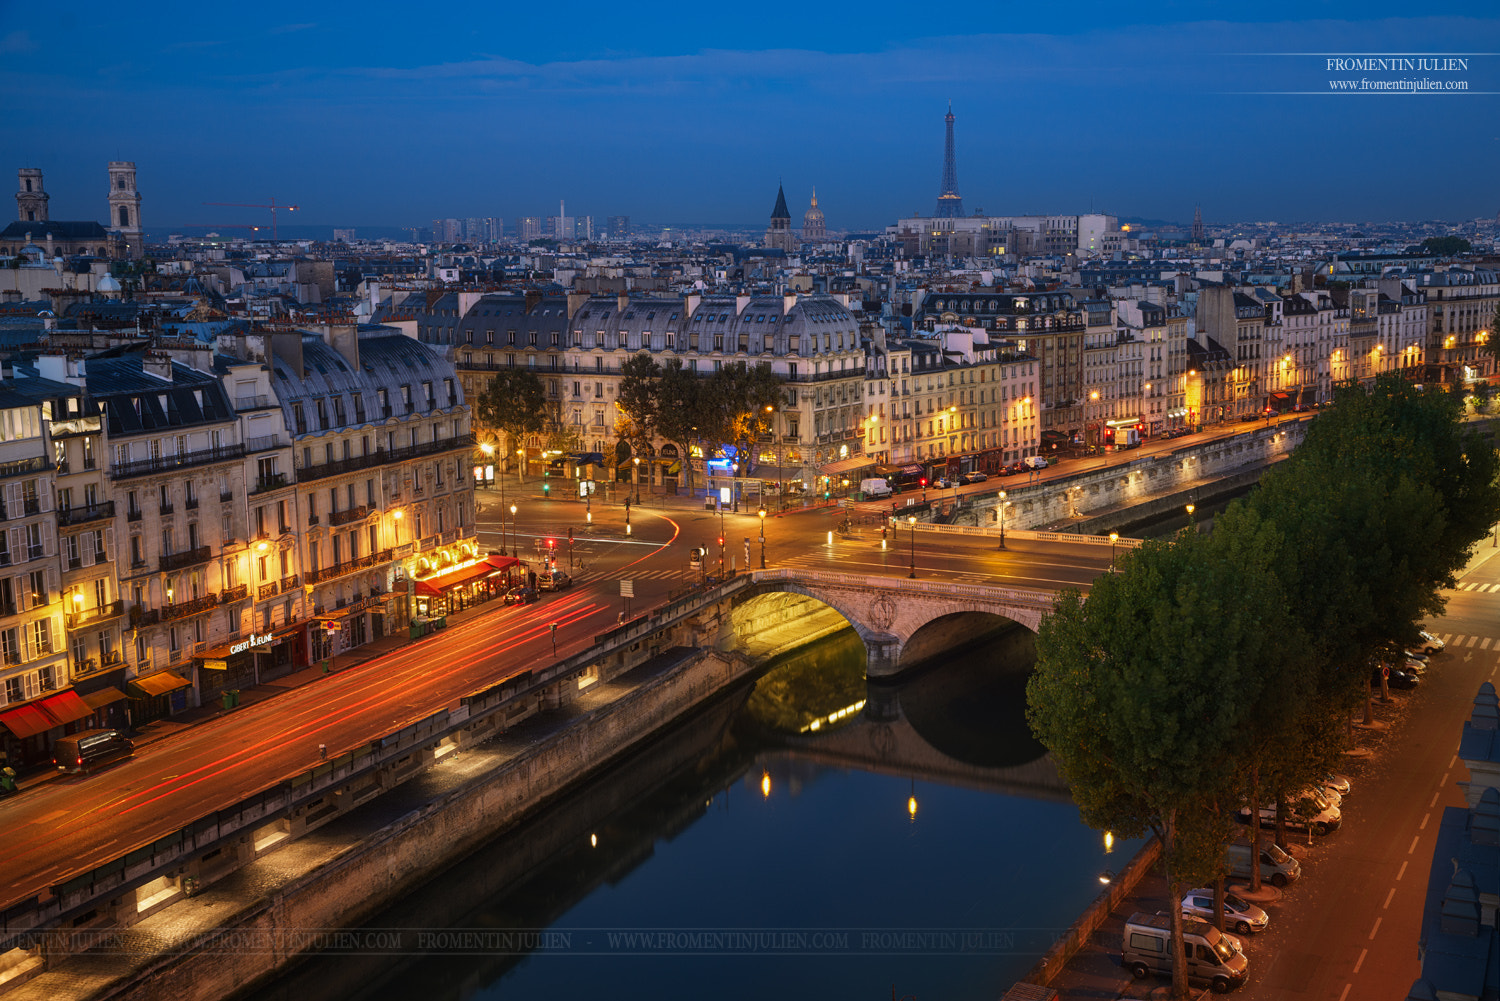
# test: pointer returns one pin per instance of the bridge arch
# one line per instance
(885, 612)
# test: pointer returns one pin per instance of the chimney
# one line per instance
(576, 301)
(622, 301)
(690, 304)
(344, 338)
(157, 363)
(533, 299)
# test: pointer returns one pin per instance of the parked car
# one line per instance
(1421, 658)
(1431, 644)
(942, 483)
(1414, 666)
(1210, 955)
(1399, 678)
(556, 580)
(1241, 915)
(1338, 783)
(1275, 865)
(1319, 823)
(1034, 462)
(1013, 469)
(974, 477)
(520, 595)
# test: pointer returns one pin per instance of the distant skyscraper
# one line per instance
(1197, 224)
(452, 231)
(950, 204)
(437, 231)
(779, 233)
(812, 221)
(529, 227)
(619, 227)
(494, 229)
(584, 227)
(343, 236)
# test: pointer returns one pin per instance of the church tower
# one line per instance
(31, 200)
(779, 233)
(812, 221)
(125, 206)
(1197, 225)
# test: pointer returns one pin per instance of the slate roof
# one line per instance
(60, 230)
(780, 211)
(191, 398)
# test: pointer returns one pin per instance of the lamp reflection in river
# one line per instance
(1109, 842)
(911, 801)
(765, 784)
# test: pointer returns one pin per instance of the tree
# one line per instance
(680, 412)
(1142, 693)
(740, 401)
(1446, 246)
(514, 404)
(638, 403)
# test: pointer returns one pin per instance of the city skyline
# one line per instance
(370, 121)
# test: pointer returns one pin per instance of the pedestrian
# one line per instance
(323, 751)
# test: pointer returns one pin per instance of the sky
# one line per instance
(393, 115)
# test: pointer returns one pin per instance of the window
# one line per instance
(41, 635)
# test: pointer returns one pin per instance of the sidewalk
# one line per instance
(650, 498)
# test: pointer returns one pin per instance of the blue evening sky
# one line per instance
(385, 114)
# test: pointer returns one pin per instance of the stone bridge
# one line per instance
(901, 621)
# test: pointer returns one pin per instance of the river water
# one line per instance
(814, 837)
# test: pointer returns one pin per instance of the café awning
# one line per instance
(160, 683)
(27, 721)
(104, 697)
(436, 585)
(846, 465)
(66, 707)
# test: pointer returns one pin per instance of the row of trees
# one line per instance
(1223, 669)
(725, 411)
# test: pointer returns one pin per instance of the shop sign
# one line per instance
(253, 641)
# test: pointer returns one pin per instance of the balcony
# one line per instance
(31, 505)
(242, 403)
(168, 463)
(237, 593)
(33, 552)
(312, 520)
(347, 567)
(176, 561)
(93, 616)
(345, 517)
(384, 457)
(191, 503)
(134, 515)
(144, 616)
(266, 591)
(24, 467)
(226, 497)
(264, 443)
(183, 609)
(165, 510)
(288, 583)
(83, 515)
(273, 481)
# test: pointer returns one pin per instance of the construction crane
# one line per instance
(273, 207)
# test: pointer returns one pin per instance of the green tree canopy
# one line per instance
(513, 404)
(1446, 246)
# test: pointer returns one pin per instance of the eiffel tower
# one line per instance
(950, 204)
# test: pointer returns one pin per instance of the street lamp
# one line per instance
(912, 521)
(1114, 537)
(635, 478)
(1190, 509)
(762, 513)
(1002, 519)
(513, 543)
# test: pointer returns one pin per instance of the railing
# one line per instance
(191, 503)
(176, 561)
(254, 402)
(186, 608)
(226, 497)
(144, 616)
(288, 583)
(1040, 599)
(24, 467)
(312, 519)
(31, 505)
(264, 443)
(345, 517)
(347, 567)
(266, 591)
(237, 593)
(273, 482)
(161, 464)
(33, 552)
(383, 457)
(89, 616)
(133, 515)
(165, 509)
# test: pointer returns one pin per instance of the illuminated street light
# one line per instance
(762, 513)
(1114, 537)
(912, 521)
(1190, 509)
(1002, 519)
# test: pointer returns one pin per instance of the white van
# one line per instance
(1276, 866)
(1035, 462)
(876, 488)
(1211, 955)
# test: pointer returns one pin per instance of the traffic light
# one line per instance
(570, 535)
(922, 482)
(721, 541)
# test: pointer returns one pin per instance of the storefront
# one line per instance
(250, 661)
(155, 696)
(30, 728)
(454, 590)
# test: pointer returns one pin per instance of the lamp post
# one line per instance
(635, 478)
(513, 543)
(912, 521)
(762, 513)
(1114, 537)
(489, 451)
(1002, 519)
(1190, 509)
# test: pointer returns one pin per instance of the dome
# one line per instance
(33, 256)
(107, 285)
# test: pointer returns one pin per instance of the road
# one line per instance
(55, 830)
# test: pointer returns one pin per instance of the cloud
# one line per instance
(17, 41)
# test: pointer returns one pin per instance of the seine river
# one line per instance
(814, 837)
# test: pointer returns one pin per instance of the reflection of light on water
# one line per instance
(834, 717)
(593, 841)
(1109, 842)
(765, 784)
(911, 808)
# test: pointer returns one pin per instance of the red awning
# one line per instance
(27, 721)
(435, 585)
(66, 707)
(503, 562)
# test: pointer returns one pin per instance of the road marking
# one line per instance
(1434, 799)
(1444, 780)
(1387, 903)
(1375, 929)
(1346, 992)
(1486, 644)
(1472, 641)
(1493, 669)
(1402, 872)
(1358, 963)
(1414, 844)
(1452, 761)
(1423, 825)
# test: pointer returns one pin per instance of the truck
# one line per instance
(875, 488)
(1127, 438)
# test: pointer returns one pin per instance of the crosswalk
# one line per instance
(592, 575)
(1463, 640)
(1481, 588)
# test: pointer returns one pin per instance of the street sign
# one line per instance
(847, 502)
(1385, 671)
(627, 589)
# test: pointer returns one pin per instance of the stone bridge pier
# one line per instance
(891, 615)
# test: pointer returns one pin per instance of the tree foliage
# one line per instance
(1446, 246)
(513, 404)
